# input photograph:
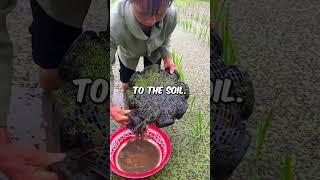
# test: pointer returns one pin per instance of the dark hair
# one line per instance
(153, 5)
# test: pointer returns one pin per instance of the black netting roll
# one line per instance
(84, 127)
(87, 57)
(229, 137)
(161, 109)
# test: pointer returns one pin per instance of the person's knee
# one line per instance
(125, 86)
(49, 79)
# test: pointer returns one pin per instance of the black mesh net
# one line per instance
(229, 137)
(84, 127)
(161, 109)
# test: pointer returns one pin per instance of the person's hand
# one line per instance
(119, 115)
(20, 163)
(169, 65)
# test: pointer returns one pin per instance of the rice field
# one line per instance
(194, 17)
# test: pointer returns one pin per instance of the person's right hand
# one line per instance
(119, 115)
(21, 163)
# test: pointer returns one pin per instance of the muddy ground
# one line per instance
(279, 45)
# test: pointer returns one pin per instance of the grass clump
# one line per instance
(200, 126)
(177, 60)
(94, 60)
(194, 17)
(262, 134)
(220, 22)
(287, 168)
(86, 59)
(152, 77)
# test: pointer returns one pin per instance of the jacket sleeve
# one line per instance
(6, 56)
(166, 49)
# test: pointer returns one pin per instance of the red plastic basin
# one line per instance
(155, 135)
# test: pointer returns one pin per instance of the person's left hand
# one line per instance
(19, 162)
(169, 65)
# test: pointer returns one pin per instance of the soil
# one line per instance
(279, 41)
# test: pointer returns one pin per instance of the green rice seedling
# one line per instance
(262, 134)
(261, 139)
(191, 106)
(190, 25)
(205, 33)
(113, 1)
(186, 25)
(214, 9)
(220, 18)
(199, 126)
(177, 60)
(287, 165)
(217, 11)
(201, 32)
(191, 18)
(287, 169)
(229, 53)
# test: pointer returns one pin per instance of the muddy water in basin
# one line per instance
(138, 156)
